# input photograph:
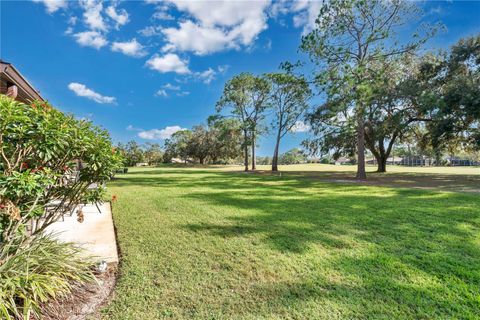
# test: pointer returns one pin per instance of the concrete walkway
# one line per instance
(95, 234)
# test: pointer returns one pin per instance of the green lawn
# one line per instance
(208, 244)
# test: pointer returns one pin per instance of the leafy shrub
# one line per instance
(294, 156)
(325, 161)
(47, 161)
(35, 271)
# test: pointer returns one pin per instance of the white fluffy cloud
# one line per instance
(150, 31)
(119, 16)
(92, 15)
(168, 63)
(225, 25)
(166, 88)
(223, 13)
(183, 93)
(160, 134)
(98, 27)
(92, 39)
(222, 69)
(161, 93)
(72, 20)
(300, 126)
(68, 31)
(162, 15)
(198, 39)
(170, 86)
(132, 128)
(130, 48)
(207, 76)
(210, 74)
(82, 91)
(305, 14)
(53, 5)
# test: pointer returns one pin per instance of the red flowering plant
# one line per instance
(48, 160)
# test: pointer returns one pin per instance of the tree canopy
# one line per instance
(349, 37)
(246, 96)
(288, 98)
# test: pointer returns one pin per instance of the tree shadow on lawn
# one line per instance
(211, 180)
(443, 182)
(436, 181)
(412, 250)
(374, 287)
(396, 252)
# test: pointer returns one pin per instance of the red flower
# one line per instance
(37, 169)
(114, 198)
(2, 206)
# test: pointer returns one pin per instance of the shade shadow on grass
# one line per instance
(417, 233)
(363, 251)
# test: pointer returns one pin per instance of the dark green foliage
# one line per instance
(246, 97)
(450, 84)
(132, 152)
(47, 156)
(349, 38)
(288, 98)
(219, 142)
(294, 156)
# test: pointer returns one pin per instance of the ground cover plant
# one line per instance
(202, 243)
(40, 271)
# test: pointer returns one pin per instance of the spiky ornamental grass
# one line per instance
(38, 271)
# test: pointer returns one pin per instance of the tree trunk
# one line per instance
(275, 154)
(254, 161)
(382, 164)
(438, 159)
(361, 175)
(245, 149)
(382, 159)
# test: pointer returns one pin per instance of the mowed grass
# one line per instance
(200, 243)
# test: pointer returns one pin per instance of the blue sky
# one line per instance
(143, 69)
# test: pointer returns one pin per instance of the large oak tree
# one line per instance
(349, 36)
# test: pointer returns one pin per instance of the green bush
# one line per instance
(36, 271)
(48, 163)
(48, 159)
(325, 161)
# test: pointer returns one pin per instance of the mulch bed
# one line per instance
(85, 301)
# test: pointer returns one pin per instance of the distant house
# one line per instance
(457, 161)
(342, 161)
(390, 161)
(394, 160)
(178, 160)
(141, 164)
(418, 161)
(14, 85)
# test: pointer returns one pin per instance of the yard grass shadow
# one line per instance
(408, 233)
(363, 250)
